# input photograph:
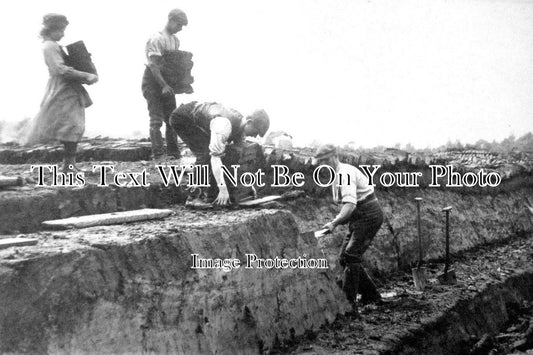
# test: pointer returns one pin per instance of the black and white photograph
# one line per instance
(266, 177)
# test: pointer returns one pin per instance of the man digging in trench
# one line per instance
(360, 208)
(208, 129)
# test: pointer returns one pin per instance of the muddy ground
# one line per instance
(410, 321)
(385, 328)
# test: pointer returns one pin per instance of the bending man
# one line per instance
(207, 128)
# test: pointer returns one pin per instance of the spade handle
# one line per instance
(447, 211)
(419, 227)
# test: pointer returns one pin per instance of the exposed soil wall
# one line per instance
(486, 313)
(477, 218)
(95, 149)
(131, 289)
(22, 210)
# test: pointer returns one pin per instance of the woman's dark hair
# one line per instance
(53, 22)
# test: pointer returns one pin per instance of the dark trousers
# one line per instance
(365, 224)
(159, 109)
(191, 133)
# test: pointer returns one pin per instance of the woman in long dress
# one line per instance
(62, 114)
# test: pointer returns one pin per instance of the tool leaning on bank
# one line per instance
(419, 272)
(447, 277)
(361, 210)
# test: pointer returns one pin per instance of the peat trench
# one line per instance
(489, 311)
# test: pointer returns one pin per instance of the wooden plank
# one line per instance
(259, 201)
(321, 233)
(107, 218)
(530, 208)
(11, 181)
(16, 242)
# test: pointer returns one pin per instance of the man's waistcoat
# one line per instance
(203, 113)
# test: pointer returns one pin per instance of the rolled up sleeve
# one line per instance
(350, 197)
(220, 131)
(154, 48)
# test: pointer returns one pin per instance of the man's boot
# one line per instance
(350, 285)
(157, 142)
(368, 290)
(172, 142)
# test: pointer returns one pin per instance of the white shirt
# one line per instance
(220, 131)
(161, 43)
(351, 185)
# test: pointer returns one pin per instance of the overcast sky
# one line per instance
(372, 72)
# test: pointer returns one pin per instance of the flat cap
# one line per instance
(179, 16)
(325, 151)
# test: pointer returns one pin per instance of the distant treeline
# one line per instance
(508, 145)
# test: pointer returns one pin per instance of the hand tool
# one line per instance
(419, 273)
(447, 277)
(316, 234)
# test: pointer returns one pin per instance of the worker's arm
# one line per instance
(56, 64)
(220, 131)
(223, 194)
(156, 62)
(343, 216)
(348, 190)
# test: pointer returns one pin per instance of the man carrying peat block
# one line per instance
(157, 91)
